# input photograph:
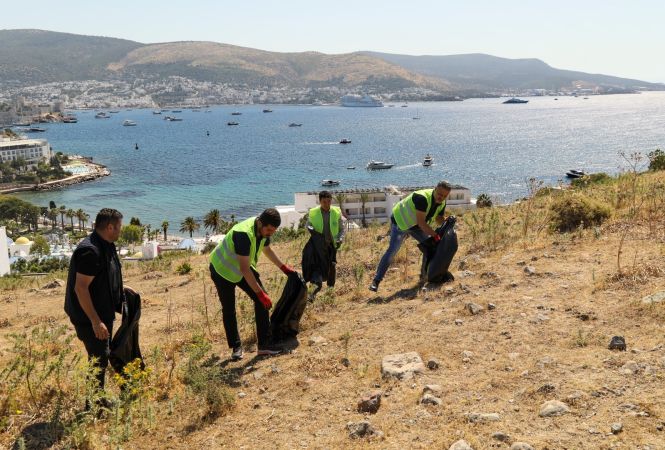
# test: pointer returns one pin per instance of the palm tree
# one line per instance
(189, 225)
(85, 218)
(70, 213)
(53, 216)
(212, 220)
(147, 230)
(364, 198)
(79, 215)
(340, 198)
(165, 227)
(63, 210)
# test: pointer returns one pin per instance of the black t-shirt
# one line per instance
(88, 263)
(242, 244)
(420, 203)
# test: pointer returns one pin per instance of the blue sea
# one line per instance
(482, 144)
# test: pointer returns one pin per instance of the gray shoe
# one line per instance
(237, 354)
(374, 286)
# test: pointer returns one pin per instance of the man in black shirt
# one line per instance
(94, 288)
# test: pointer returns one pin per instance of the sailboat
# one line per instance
(417, 116)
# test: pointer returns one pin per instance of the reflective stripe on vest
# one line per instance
(316, 219)
(227, 258)
(404, 212)
(224, 258)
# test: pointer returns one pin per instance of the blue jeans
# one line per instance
(397, 237)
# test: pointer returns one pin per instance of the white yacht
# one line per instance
(427, 162)
(378, 165)
(129, 123)
(360, 101)
(329, 183)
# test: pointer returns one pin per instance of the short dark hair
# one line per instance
(107, 216)
(445, 185)
(270, 217)
(324, 194)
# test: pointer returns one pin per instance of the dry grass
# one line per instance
(547, 339)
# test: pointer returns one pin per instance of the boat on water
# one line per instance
(329, 183)
(232, 123)
(575, 173)
(176, 110)
(293, 124)
(21, 124)
(355, 101)
(236, 113)
(173, 119)
(405, 106)
(345, 141)
(267, 110)
(114, 112)
(428, 160)
(378, 165)
(69, 119)
(156, 112)
(35, 130)
(515, 100)
(351, 168)
(129, 123)
(102, 115)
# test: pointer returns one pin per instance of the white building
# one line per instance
(31, 150)
(20, 248)
(4, 252)
(378, 204)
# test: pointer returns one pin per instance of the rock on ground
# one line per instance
(429, 399)
(521, 446)
(363, 429)
(370, 403)
(482, 417)
(54, 284)
(658, 297)
(553, 408)
(460, 445)
(402, 366)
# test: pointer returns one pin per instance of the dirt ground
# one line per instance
(545, 338)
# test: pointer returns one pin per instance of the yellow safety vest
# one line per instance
(316, 219)
(224, 258)
(404, 212)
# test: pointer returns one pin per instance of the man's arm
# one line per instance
(246, 271)
(81, 287)
(272, 256)
(421, 220)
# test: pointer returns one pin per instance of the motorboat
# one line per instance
(575, 173)
(114, 112)
(351, 168)
(232, 123)
(345, 141)
(328, 183)
(156, 112)
(360, 101)
(102, 115)
(176, 110)
(267, 110)
(129, 123)
(428, 160)
(35, 130)
(515, 100)
(236, 113)
(293, 124)
(378, 165)
(173, 119)
(69, 119)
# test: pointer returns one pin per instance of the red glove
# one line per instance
(264, 299)
(286, 269)
(436, 238)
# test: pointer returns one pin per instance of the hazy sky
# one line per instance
(623, 38)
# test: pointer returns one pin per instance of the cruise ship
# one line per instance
(360, 101)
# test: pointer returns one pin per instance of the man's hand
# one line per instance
(436, 238)
(286, 269)
(101, 332)
(264, 299)
(338, 243)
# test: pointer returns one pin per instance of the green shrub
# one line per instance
(484, 201)
(656, 160)
(209, 247)
(184, 268)
(594, 178)
(572, 211)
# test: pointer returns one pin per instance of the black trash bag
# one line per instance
(285, 318)
(125, 343)
(438, 256)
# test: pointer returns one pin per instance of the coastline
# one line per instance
(96, 171)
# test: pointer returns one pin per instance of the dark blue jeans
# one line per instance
(397, 237)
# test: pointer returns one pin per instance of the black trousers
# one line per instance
(96, 348)
(227, 297)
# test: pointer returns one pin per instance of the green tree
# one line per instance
(656, 160)
(340, 198)
(40, 246)
(63, 210)
(135, 221)
(53, 217)
(165, 227)
(70, 213)
(364, 198)
(212, 220)
(484, 201)
(131, 234)
(189, 225)
(80, 215)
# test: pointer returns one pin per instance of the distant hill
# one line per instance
(486, 72)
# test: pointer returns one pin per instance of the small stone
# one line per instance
(317, 340)
(521, 263)
(432, 389)
(433, 364)
(467, 355)
(460, 445)
(370, 403)
(491, 306)
(534, 258)
(482, 417)
(630, 368)
(501, 437)
(346, 362)
(257, 375)
(658, 297)
(530, 270)
(54, 284)
(459, 322)
(474, 308)
(553, 408)
(274, 369)
(448, 291)
(242, 395)
(402, 366)
(429, 399)
(616, 428)
(363, 429)
(546, 388)
(514, 284)
(617, 343)
(467, 274)
(521, 446)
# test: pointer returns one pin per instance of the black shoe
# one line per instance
(374, 286)
(237, 353)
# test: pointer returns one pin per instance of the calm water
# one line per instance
(481, 143)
